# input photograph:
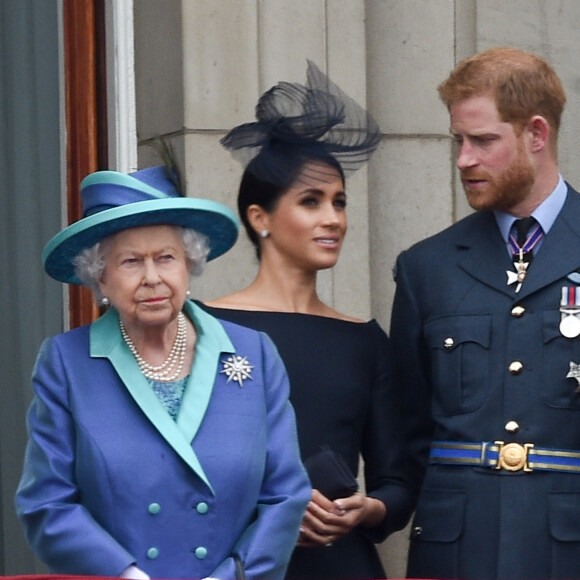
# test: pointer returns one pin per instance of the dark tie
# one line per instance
(523, 227)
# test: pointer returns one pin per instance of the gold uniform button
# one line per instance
(512, 427)
(518, 311)
(516, 367)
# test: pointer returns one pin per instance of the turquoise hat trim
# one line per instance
(210, 218)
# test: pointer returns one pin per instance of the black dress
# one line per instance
(342, 390)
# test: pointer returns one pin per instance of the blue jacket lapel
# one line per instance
(212, 340)
(482, 253)
(106, 341)
(560, 251)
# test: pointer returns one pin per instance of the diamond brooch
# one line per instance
(237, 368)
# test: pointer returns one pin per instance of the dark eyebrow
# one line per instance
(318, 192)
(311, 190)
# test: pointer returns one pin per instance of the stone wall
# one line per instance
(202, 64)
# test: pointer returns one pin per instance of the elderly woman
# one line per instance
(161, 440)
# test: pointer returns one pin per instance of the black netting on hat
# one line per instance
(297, 123)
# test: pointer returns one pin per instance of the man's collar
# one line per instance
(545, 214)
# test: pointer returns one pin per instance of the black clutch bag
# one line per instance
(330, 474)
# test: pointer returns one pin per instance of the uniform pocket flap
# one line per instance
(458, 329)
(440, 515)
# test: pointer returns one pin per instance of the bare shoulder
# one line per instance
(237, 301)
(334, 314)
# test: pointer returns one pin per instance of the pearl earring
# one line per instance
(188, 293)
(264, 233)
(105, 301)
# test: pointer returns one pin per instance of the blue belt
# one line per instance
(509, 456)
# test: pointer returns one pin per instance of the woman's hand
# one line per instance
(326, 521)
(134, 573)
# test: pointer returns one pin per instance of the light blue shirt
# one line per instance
(545, 214)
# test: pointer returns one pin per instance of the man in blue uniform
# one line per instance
(486, 331)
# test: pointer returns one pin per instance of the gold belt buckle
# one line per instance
(513, 456)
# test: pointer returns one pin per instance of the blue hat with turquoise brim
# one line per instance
(114, 201)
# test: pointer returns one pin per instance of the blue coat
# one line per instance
(110, 479)
(457, 327)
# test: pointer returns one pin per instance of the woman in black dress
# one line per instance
(292, 202)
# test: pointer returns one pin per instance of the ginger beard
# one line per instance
(504, 190)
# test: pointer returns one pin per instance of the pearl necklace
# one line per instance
(170, 369)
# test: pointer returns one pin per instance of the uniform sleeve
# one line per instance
(58, 527)
(412, 369)
(267, 544)
(383, 448)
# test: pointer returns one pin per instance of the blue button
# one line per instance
(202, 508)
(201, 552)
(154, 508)
(152, 553)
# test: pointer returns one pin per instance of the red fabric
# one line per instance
(73, 577)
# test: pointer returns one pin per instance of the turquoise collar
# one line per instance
(212, 340)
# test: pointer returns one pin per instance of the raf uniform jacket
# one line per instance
(479, 362)
(111, 480)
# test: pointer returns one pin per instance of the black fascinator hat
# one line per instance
(296, 123)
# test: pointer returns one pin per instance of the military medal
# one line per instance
(574, 373)
(521, 269)
(519, 252)
(570, 310)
